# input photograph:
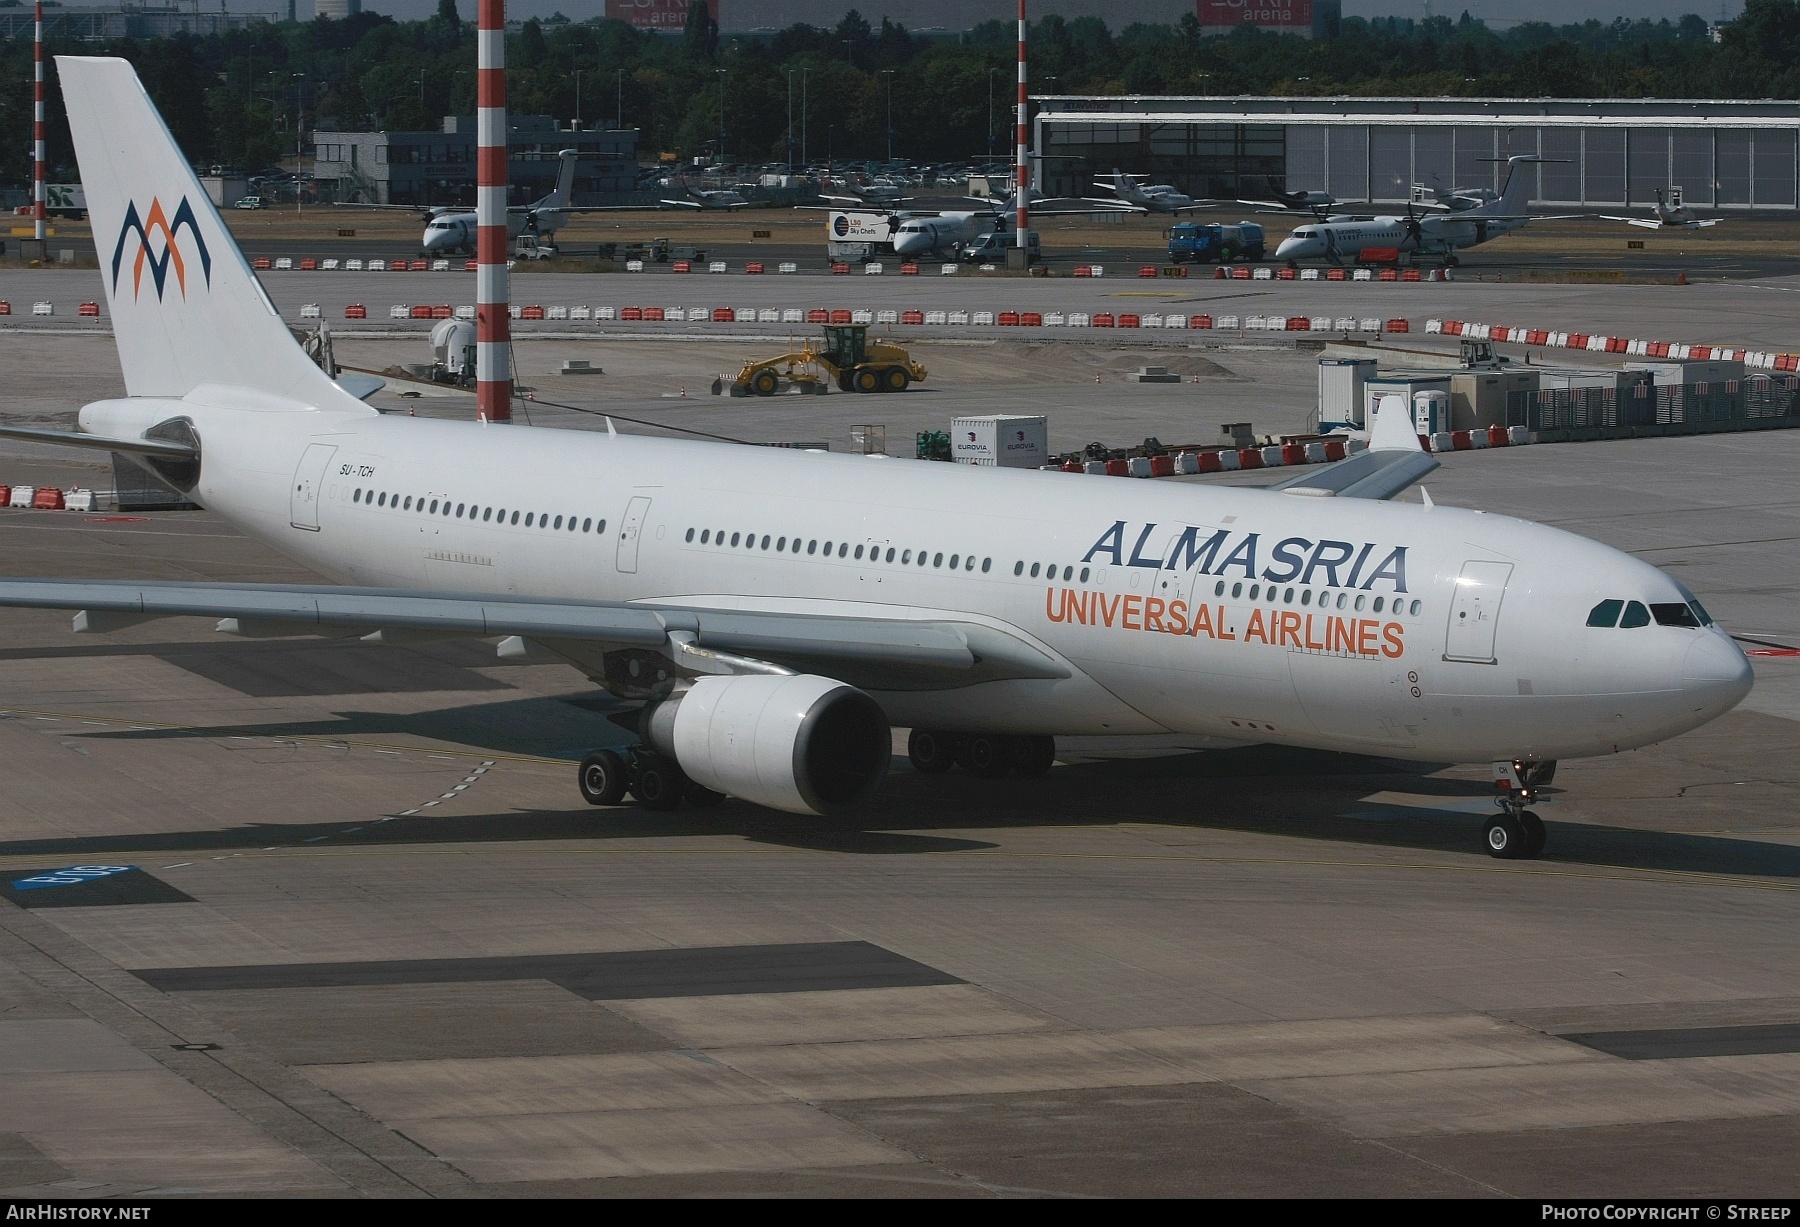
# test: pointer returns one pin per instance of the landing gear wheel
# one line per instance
(1451, 261)
(764, 383)
(602, 778)
(932, 753)
(1534, 834)
(1034, 756)
(700, 796)
(895, 379)
(867, 379)
(987, 756)
(659, 783)
(1505, 838)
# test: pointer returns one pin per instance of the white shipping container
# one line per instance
(1003, 440)
(1341, 390)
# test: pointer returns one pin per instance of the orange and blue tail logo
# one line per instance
(146, 256)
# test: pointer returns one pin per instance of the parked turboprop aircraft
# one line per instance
(777, 610)
(920, 234)
(1316, 203)
(701, 198)
(452, 228)
(1668, 214)
(1338, 241)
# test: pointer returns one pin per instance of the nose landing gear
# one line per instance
(1517, 834)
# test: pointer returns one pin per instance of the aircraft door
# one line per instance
(629, 533)
(1475, 611)
(303, 509)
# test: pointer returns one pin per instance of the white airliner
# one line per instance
(452, 228)
(779, 610)
(1667, 214)
(702, 198)
(945, 233)
(1339, 240)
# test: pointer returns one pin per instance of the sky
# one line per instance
(1499, 13)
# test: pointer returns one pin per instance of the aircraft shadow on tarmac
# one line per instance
(1264, 790)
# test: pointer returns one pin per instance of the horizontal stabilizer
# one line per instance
(69, 438)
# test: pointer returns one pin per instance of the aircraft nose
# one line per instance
(1717, 669)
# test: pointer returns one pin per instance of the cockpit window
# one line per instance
(1700, 612)
(1635, 615)
(1674, 614)
(1606, 613)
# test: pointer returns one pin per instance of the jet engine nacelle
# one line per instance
(799, 743)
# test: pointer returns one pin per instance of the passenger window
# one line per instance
(734, 538)
(1237, 590)
(985, 564)
(528, 516)
(1035, 568)
(1606, 613)
(1254, 589)
(572, 526)
(705, 535)
(1674, 615)
(780, 544)
(1306, 597)
(844, 548)
(690, 536)
(937, 560)
(1084, 575)
(588, 524)
(600, 527)
(1416, 606)
(487, 514)
(859, 550)
(558, 522)
(1378, 601)
(1068, 573)
(407, 505)
(1359, 601)
(356, 496)
(1019, 569)
(1635, 615)
(434, 503)
(954, 558)
(459, 510)
(924, 557)
(812, 546)
(1342, 597)
(1218, 588)
(381, 500)
(890, 553)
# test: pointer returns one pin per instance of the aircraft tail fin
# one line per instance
(562, 196)
(1515, 193)
(186, 309)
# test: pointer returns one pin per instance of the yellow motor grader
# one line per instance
(846, 357)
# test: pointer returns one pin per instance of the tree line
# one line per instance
(250, 97)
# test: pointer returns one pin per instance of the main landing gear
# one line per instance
(987, 756)
(656, 781)
(1517, 834)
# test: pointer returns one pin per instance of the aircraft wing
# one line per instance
(1705, 222)
(1394, 460)
(876, 653)
(421, 210)
(684, 204)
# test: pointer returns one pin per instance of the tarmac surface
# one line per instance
(364, 938)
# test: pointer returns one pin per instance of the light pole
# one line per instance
(990, 123)
(804, 160)
(578, 100)
(299, 137)
(889, 74)
(620, 121)
(720, 160)
(790, 127)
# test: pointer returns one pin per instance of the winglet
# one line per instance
(1392, 430)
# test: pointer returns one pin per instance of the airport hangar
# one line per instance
(1728, 155)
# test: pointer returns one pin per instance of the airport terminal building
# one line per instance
(432, 168)
(1610, 152)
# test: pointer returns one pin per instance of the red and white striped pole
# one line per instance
(1021, 176)
(493, 326)
(37, 131)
